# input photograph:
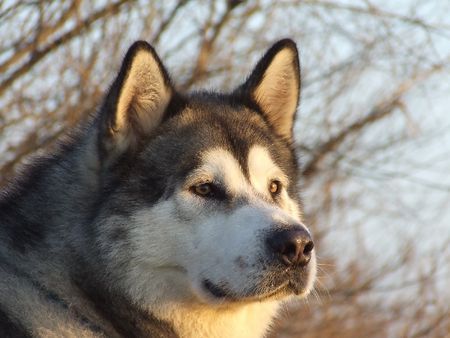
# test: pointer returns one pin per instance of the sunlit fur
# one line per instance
(201, 242)
(108, 237)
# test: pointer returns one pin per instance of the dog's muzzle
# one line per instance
(286, 267)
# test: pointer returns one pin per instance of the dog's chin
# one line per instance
(275, 284)
(217, 294)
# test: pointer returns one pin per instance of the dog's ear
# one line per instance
(136, 101)
(274, 86)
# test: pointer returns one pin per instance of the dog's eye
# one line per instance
(203, 190)
(275, 187)
(209, 190)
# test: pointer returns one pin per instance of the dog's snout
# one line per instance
(292, 246)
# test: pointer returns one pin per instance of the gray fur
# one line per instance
(65, 242)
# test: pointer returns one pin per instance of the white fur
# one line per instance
(221, 164)
(262, 169)
(186, 239)
(249, 320)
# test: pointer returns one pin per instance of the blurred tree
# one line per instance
(373, 128)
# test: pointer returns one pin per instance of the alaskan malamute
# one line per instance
(165, 215)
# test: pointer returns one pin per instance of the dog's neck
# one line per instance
(45, 201)
(171, 300)
(250, 320)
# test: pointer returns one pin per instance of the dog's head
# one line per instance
(202, 201)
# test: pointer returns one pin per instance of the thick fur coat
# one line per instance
(164, 215)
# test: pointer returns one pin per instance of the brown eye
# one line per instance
(209, 190)
(275, 187)
(204, 189)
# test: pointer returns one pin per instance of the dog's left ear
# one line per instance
(136, 102)
(274, 86)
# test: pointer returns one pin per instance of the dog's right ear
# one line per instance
(136, 102)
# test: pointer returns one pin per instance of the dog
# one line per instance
(164, 214)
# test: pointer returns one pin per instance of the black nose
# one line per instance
(292, 246)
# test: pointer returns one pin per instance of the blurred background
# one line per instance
(373, 128)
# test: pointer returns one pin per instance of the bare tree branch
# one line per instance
(377, 113)
(167, 21)
(208, 44)
(40, 53)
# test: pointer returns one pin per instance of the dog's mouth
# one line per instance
(216, 290)
(275, 290)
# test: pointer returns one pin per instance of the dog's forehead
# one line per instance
(210, 124)
(220, 163)
(232, 128)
